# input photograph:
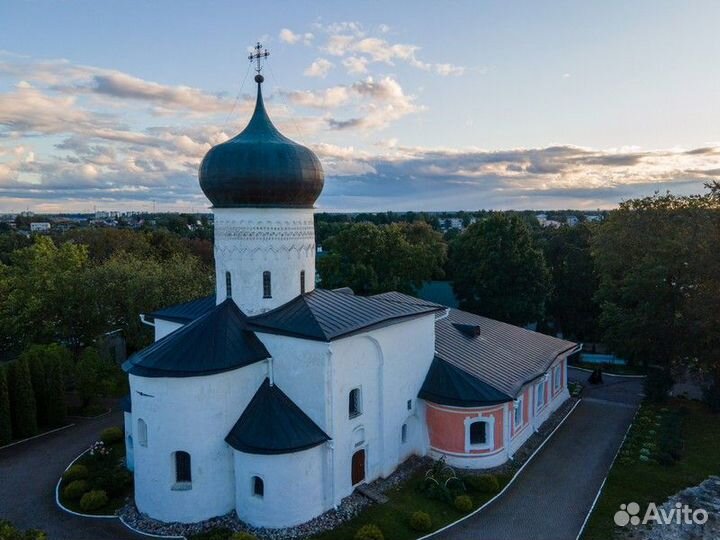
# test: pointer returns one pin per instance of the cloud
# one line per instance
(290, 37)
(355, 65)
(348, 39)
(319, 68)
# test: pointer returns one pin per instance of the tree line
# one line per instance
(644, 281)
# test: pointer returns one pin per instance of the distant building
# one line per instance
(572, 221)
(593, 218)
(545, 222)
(40, 227)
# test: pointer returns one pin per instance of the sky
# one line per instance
(418, 105)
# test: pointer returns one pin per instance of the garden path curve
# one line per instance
(29, 472)
(551, 497)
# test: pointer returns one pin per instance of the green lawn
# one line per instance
(644, 482)
(393, 517)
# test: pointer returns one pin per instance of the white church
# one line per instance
(277, 399)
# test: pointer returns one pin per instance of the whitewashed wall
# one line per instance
(293, 483)
(163, 328)
(129, 445)
(192, 414)
(249, 241)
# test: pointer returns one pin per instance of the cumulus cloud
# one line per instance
(319, 68)
(349, 40)
(288, 36)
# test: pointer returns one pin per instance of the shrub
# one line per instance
(76, 472)
(485, 483)
(658, 383)
(9, 532)
(420, 521)
(455, 486)
(112, 435)
(76, 489)
(463, 503)
(369, 532)
(243, 536)
(113, 482)
(93, 500)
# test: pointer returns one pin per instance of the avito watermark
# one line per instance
(629, 514)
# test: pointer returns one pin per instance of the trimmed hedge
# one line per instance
(76, 489)
(484, 483)
(420, 521)
(112, 435)
(93, 500)
(243, 536)
(76, 472)
(369, 532)
(463, 504)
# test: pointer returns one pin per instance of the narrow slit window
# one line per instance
(267, 285)
(403, 433)
(142, 432)
(228, 285)
(354, 403)
(183, 473)
(258, 486)
(302, 281)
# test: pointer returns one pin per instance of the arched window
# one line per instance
(302, 281)
(354, 403)
(478, 433)
(142, 432)
(267, 285)
(228, 285)
(258, 487)
(183, 472)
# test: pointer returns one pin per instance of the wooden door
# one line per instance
(358, 467)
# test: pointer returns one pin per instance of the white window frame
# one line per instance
(540, 404)
(518, 409)
(489, 433)
(557, 377)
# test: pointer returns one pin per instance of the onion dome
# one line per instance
(261, 167)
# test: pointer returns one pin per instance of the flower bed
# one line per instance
(98, 483)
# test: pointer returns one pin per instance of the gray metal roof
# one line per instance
(394, 296)
(502, 355)
(215, 342)
(185, 312)
(273, 424)
(324, 315)
(447, 384)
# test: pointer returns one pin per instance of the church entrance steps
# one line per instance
(371, 494)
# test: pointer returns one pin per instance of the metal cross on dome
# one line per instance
(258, 55)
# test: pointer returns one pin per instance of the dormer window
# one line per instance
(267, 285)
(228, 285)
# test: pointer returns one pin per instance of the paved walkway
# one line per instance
(29, 472)
(551, 497)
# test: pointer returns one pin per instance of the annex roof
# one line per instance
(185, 312)
(447, 384)
(273, 424)
(324, 315)
(215, 342)
(501, 355)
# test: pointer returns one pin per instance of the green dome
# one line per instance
(261, 167)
